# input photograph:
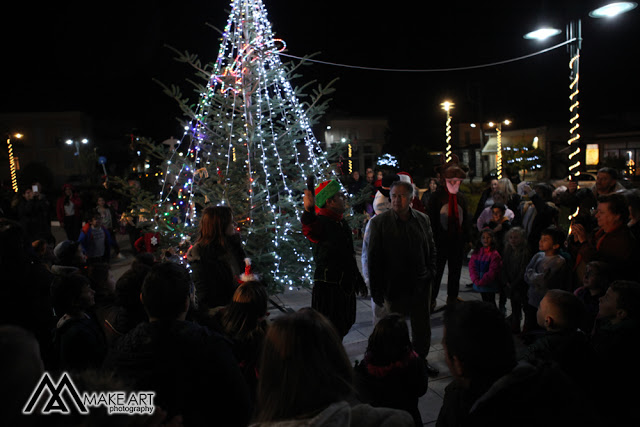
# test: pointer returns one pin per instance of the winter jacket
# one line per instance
(398, 385)
(544, 273)
(191, 369)
(77, 205)
(485, 268)
(86, 240)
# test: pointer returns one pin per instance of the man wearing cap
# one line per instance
(402, 265)
(336, 278)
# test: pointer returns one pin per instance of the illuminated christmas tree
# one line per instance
(248, 144)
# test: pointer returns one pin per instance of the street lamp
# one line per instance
(499, 145)
(574, 37)
(448, 106)
(12, 161)
(77, 144)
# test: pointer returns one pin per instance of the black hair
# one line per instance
(65, 292)
(389, 342)
(556, 234)
(500, 206)
(617, 205)
(628, 297)
(471, 328)
(165, 290)
(610, 171)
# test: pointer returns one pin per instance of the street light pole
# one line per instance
(447, 106)
(574, 32)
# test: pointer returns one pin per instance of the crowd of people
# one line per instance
(202, 339)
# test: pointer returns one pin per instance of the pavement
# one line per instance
(355, 342)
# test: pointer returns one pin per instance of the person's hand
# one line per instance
(579, 233)
(572, 186)
(309, 200)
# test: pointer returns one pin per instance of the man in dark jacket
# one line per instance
(402, 265)
(191, 370)
(336, 278)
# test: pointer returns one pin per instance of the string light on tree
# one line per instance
(499, 145)
(253, 135)
(448, 106)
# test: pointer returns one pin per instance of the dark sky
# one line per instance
(102, 59)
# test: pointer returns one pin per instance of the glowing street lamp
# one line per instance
(574, 37)
(84, 141)
(499, 145)
(448, 106)
(12, 161)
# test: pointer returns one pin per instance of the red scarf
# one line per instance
(454, 217)
(329, 213)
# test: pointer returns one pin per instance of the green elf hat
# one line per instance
(326, 190)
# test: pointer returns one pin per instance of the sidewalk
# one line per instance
(355, 342)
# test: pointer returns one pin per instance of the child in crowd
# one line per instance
(515, 258)
(485, 267)
(596, 281)
(96, 240)
(391, 375)
(546, 270)
(561, 314)
(500, 224)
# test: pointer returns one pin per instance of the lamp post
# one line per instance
(84, 141)
(499, 145)
(574, 36)
(448, 106)
(12, 161)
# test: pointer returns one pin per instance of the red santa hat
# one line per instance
(405, 177)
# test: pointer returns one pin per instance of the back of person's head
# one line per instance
(166, 291)
(247, 308)
(214, 223)
(303, 367)
(477, 335)
(389, 342)
(20, 369)
(556, 234)
(145, 259)
(499, 197)
(66, 292)
(617, 204)
(544, 190)
(628, 293)
(565, 309)
(66, 253)
(129, 287)
(633, 200)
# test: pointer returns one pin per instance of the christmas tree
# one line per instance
(248, 144)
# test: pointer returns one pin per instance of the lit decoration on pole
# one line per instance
(350, 161)
(253, 135)
(499, 145)
(574, 32)
(12, 162)
(447, 106)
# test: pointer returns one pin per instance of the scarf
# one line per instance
(329, 213)
(453, 215)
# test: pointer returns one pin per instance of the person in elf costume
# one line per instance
(337, 277)
(447, 210)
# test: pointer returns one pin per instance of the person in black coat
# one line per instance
(191, 369)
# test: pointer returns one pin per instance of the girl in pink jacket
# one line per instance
(485, 267)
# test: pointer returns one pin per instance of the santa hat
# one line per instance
(248, 274)
(325, 191)
(405, 177)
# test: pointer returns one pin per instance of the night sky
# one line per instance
(102, 59)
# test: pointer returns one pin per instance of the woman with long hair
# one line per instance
(306, 377)
(216, 259)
